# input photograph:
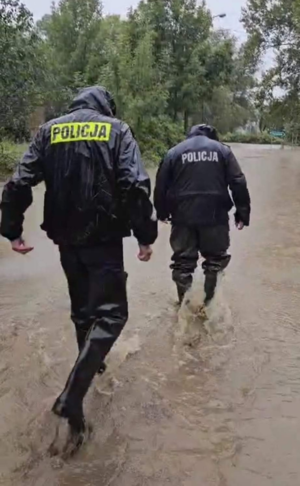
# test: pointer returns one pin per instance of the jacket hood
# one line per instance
(203, 130)
(195, 131)
(95, 98)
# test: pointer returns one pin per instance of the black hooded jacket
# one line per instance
(192, 183)
(96, 185)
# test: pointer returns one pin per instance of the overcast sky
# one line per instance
(231, 7)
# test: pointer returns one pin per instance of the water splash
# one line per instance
(203, 325)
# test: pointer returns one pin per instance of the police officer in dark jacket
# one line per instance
(192, 187)
(97, 191)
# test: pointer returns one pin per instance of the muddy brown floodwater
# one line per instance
(224, 411)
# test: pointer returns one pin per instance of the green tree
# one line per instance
(164, 64)
(276, 25)
(180, 27)
(193, 60)
(110, 59)
(69, 33)
(135, 80)
(21, 68)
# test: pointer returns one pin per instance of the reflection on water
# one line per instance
(186, 401)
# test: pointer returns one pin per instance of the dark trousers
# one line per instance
(187, 242)
(99, 309)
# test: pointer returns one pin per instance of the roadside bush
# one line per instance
(164, 135)
(263, 138)
(10, 154)
(157, 137)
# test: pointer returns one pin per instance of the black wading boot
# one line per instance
(81, 339)
(78, 431)
(210, 285)
(181, 293)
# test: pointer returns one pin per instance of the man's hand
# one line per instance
(240, 226)
(145, 253)
(19, 246)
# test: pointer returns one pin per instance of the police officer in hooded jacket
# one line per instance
(192, 188)
(97, 192)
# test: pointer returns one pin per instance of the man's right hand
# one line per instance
(240, 226)
(145, 253)
(19, 246)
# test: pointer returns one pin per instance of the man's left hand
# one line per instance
(21, 247)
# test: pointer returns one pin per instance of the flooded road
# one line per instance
(222, 412)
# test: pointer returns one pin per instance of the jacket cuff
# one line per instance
(148, 234)
(8, 228)
(243, 216)
(10, 237)
(163, 216)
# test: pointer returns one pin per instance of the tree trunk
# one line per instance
(186, 121)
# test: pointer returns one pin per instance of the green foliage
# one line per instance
(160, 135)
(21, 68)
(69, 33)
(263, 138)
(276, 25)
(225, 113)
(10, 154)
(165, 65)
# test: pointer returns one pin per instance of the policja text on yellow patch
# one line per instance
(79, 132)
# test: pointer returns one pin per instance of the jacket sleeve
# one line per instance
(17, 193)
(135, 189)
(237, 183)
(163, 179)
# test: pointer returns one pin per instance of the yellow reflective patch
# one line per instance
(78, 132)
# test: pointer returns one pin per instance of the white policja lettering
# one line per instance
(203, 156)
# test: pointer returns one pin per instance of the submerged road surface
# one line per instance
(223, 411)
